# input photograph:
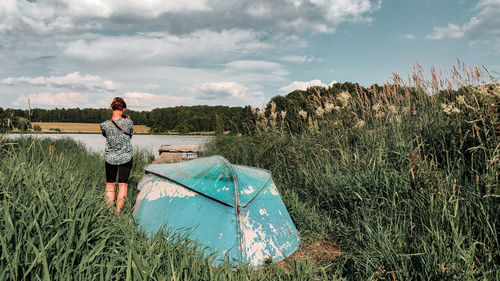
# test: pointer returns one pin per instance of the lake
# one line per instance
(151, 143)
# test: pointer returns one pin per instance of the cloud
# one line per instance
(165, 43)
(141, 100)
(408, 36)
(297, 85)
(59, 99)
(182, 17)
(451, 31)
(72, 80)
(119, 8)
(42, 17)
(485, 25)
(253, 65)
(297, 59)
(152, 86)
(160, 47)
(486, 22)
(219, 90)
(256, 66)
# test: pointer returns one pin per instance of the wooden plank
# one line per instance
(166, 158)
(178, 148)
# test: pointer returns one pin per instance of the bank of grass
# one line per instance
(406, 184)
(54, 225)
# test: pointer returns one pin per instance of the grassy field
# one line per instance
(403, 186)
(54, 225)
(65, 127)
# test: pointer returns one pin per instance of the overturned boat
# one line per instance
(234, 210)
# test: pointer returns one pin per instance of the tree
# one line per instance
(22, 123)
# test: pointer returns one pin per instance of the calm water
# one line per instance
(151, 143)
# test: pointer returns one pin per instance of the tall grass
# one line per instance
(54, 225)
(404, 179)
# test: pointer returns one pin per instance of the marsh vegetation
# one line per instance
(403, 178)
(401, 182)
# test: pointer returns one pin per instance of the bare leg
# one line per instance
(122, 193)
(110, 193)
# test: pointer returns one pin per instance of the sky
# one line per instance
(158, 53)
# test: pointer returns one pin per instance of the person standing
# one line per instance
(118, 153)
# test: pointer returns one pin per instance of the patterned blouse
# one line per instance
(119, 149)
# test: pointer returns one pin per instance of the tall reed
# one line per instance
(54, 225)
(404, 178)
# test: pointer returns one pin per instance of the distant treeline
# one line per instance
(182, 119)
(288, 111)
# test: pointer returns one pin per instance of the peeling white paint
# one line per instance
(286, 245)
(273, 229)
(224, 188)
(248, 190)
(153, 189)
(273, 190)
(257, 246)
(259, 239)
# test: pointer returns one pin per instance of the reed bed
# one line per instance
(54, 225)
(403, 178)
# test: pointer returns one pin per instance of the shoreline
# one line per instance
(98, 133)
(92, 128)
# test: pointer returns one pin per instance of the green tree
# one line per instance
(22, 123)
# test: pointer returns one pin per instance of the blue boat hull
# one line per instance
(261, 230)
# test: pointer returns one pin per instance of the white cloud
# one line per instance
(159, 47)
(486, 22)
(302, 25)
(199, 40)
(297, 59)
(182, 17)
(141, 100)
(149, 9)
(323, 16)
(253, 65)
(152, 86)
(218, 90)
(64, 15)
(452, 31)
(256, 66)
(485, 25)
(298, 85)
(259, 10)
(59, 99)
(408, 36)
(339, 11)
(72, 80)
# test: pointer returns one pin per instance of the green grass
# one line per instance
(411, 194)
(54, 225)
(406, 185)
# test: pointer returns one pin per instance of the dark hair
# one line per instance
(118, 104)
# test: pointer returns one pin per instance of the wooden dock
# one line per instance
(177, 153)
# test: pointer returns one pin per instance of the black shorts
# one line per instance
(123, 171)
